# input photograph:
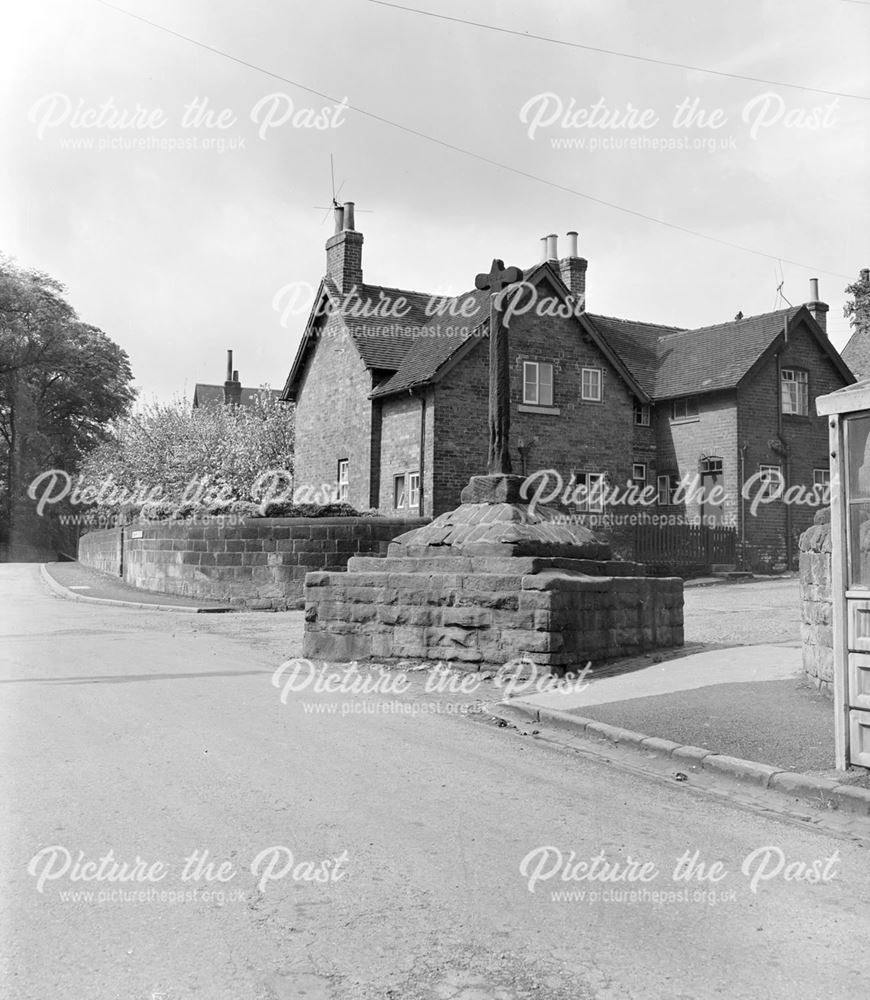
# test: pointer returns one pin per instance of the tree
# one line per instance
(857, 309)
(175, 458)
(62, 382)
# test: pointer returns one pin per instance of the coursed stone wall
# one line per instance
(258, 563)
(815, 586)
(483, 612)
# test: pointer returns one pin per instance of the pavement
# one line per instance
(154, 736)
(76, 582)
(748, 701)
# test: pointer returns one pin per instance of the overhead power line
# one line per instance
(612, 52)
(469, 152)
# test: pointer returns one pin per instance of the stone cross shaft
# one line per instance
(498, 278)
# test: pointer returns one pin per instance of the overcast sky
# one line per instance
(179, 253)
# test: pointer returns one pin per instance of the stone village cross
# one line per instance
(498, 278)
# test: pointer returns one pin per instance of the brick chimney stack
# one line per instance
(344, 250)
(232, 386)
(818, 310)
(573, 270)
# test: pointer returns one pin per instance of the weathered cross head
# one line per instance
(498, 278)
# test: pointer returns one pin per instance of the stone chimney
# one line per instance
(344, 250)
(232, 386)
(573, 270)
(818, 310)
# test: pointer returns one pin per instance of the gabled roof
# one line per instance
(635, 343)
(670, 362)
(715, 357)
(205, 394)
(419, 345)
(856, 353)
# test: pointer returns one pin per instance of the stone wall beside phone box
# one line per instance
(815, 597)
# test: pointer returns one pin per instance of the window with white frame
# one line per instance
(590, 384)
(414, 489)
(795, 392)
(641, 413)
(638, 473)
(666, 489)
(537, 383)
(822, 484)
(343, 478)
(772, 481)
(685, 408)
(399, 491)
(589, 491)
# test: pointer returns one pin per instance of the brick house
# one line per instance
(391, 390)
(231, 393)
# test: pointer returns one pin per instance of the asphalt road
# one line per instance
(154, 735)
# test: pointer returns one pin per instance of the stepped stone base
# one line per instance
(484, 611)
(492, 581)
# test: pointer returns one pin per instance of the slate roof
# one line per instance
(205, 394)
(669, 362)
(636, 343)
(856, 354)
(436, 341)
(715, 357)
(663, 362)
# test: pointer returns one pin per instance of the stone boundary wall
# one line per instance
(815, 588)
(258, 563)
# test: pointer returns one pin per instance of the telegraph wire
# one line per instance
(468, 152)
(612, 52)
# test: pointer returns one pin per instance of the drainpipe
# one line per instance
(422, 463)
(786, 463)
(743, 448)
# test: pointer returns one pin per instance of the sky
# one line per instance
(179, 193)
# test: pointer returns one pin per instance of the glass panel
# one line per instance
(858, 457)
(545, 396)
(530, 382)
(859, 545)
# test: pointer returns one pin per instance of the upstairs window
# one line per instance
(399, 491)
(795, 392)
(537, 383)
(685, 408)
(641, 413)
(638, 473)
(590, 384)
(343, 478)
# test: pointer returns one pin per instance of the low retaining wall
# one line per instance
(259, 563)
(815, 585)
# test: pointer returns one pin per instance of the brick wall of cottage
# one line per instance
(400, 449)
(584, 436)
(259, 563)
(683, 443)
(334, 416)
(773, 534)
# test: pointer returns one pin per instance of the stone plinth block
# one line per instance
(492, 581)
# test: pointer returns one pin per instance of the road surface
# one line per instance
(155, 786)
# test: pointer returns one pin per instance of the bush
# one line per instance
(285, 508)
